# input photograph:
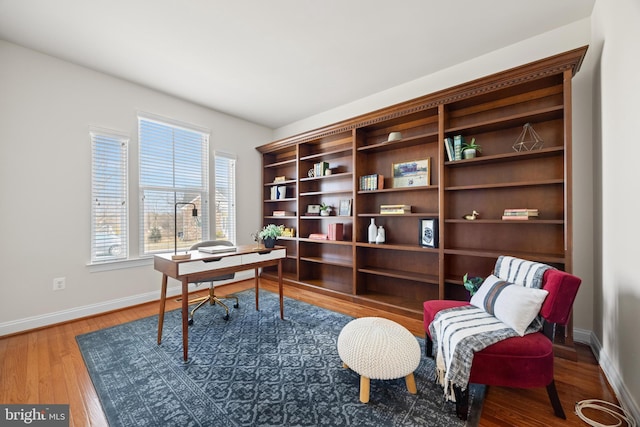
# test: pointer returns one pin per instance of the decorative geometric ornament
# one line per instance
(528, 140)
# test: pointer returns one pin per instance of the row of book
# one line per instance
(335, 232)
(319, 169)
(453, 146)
(371, 182)
(395, 209)
(520, 214)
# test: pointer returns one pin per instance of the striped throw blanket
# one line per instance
(457, 333)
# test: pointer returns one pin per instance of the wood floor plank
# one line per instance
(46, 366)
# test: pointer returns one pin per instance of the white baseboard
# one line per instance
(613, 376)
(35, 322)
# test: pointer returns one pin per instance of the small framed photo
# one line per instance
(313, 209)
(413, 173)
(428, 230)
(345, 207)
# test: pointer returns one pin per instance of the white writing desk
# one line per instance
(201, 266)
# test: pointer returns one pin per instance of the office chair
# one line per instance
(212, 298)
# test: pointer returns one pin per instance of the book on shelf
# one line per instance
(457, 147)
(516, 217)
(320, 168)
(283, 213)
(448, 144)
(318, 236)
(335, 231)
(395, 209)
(371, 182)
(520, 214)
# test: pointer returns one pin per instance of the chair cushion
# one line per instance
(515, 362)
(432, 307)
(514, 305)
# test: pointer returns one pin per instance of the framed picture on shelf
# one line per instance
(428, 232)
(313, 209)
(413, 173)
(345, 207)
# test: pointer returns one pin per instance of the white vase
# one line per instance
(380, 237)
(373, 231)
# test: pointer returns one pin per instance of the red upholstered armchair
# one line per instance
(523, 362)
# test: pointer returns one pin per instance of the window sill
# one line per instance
(119, 264)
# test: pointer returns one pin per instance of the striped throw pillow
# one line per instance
(516, 306)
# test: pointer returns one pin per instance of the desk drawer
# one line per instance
(258, 257)
(210, 264)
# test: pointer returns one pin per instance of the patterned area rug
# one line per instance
(253, 370)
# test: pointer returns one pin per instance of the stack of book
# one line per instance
(519, 214)
(395, 209)
(284, 213)
(318, 236)
(371, 182)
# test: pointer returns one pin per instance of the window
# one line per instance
(225, 196)
(109, 205)
(174, 178)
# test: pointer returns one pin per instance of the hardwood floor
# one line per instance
(45, 367)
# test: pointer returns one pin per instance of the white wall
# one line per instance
(46, 107)
(616, 117)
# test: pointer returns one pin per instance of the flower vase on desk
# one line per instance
(380, 237)
(373, 231)
(269, 242)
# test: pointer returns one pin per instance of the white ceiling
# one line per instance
(279, 61)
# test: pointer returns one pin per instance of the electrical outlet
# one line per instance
(59, 283)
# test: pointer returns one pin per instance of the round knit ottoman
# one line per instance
(379, 349)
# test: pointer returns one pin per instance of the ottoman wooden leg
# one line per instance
(411, 383)
(364, 389)
(344, 365)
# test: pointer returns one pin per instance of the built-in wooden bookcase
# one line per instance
(280, 169)
(400, 274)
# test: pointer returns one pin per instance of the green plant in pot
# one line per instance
(470, 149)
(270, 233)
(472, 284)
(325, 210)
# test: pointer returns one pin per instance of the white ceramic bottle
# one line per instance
(380, 237)
(373, 231)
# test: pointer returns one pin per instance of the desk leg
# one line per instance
(185, 319)
(280, 290)
(255, 276)
(163, 299)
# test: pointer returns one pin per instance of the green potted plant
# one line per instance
(472, 284)
(470, 149)
(270, 233)
(325, 210)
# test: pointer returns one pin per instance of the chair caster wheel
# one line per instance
(190, 322)
(236, 305)
(226, 317)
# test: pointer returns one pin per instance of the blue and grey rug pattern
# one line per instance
(253, 370)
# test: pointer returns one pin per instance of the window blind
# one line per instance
(225, 196)
(174, 177)
(109, 204)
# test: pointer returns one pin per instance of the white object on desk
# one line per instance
(216, 249)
